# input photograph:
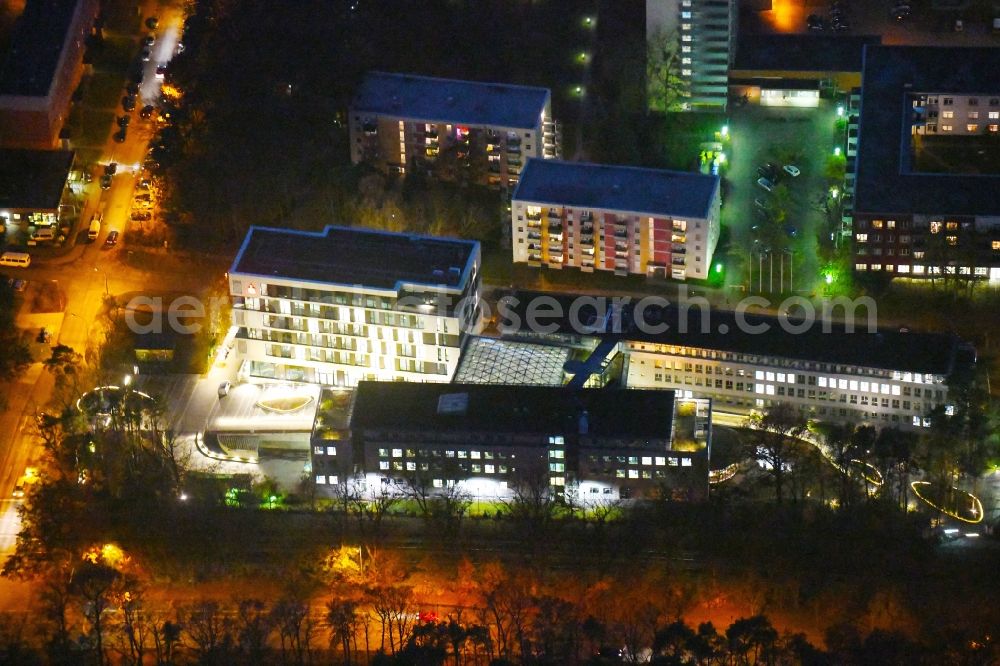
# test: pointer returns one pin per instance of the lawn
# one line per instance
(104, 89)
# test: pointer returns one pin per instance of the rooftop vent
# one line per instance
(616, 188)
(453, 403)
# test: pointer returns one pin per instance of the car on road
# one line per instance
(111, 168)
(139, 216)
(152, 22)
(149, 40)
(161, 70)
(792, 170)
(814, 22)
(128, 103)
(120, 136)
(18, 284)
(132, 88)
(146, 55)
(147, 112)
(112, 239)
(123, 121)
(18, 491)
(106, 182)
(766, 184)
(224, 388)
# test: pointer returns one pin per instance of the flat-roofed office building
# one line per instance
(344, 304)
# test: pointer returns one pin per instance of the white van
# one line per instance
(44, 234)
(19, 259)
(95, 227)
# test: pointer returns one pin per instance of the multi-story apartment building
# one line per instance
(41, 69)
(341, 305)
(925, 201)
(457, 130)
(750, 361)
(492, 442)
(614, 218)
(706, 30)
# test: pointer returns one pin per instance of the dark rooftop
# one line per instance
(802, 53)
(624, 188)
(449, 100)
(345, 255)
(33, 179)
(548, 410)
(39, 34)
(886, 349)
(884, 182)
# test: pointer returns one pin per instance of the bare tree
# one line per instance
(772, 439)
(209, 630)
(254, 627)
(291, 619)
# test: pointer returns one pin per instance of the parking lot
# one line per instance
(804, 138)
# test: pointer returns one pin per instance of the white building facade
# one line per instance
(624, 220)
(402, 319)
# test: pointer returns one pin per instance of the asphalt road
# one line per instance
(83, 277)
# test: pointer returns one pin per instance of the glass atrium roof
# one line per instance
(492, 361)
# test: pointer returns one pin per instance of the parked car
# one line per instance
(111, 168)
(128, 103)
(760, 203)
(132, 88)
(140, 216)
(18, 284)
(152, 22)
(161, 70)
(18, 491)
(224, 388)
(106, 182)
(766, 184)
(120, 136)
(123, 121)
(791, 170)
(814, 22)
(146, 55)
(112, 239)
(149, 40)
(147, 112)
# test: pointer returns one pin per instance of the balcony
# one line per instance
(534, 224)
(534, 235)
(370, 129)
(536, 215)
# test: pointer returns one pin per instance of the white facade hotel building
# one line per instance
(627, 220)
(343, 305)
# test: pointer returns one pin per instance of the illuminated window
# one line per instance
(995, 244)
(951, 226)
(685, 72)
(685, 38)
(397, 453)
(972, 127)
(876, 224)
(973, 115)
(935, 226)
(862, 238)
(994, 115)
(947, 114)
(321, 479)
(952, 240)
(383, 465)
(438, 483)
(876, 267)
(331, 450)
(945, 128)
(994, 128)
(891, 224)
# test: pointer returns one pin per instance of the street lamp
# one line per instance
(836, 151)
